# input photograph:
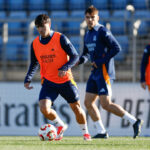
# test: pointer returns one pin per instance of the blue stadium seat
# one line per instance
(17, 28)
(104, 16)
(144, 28)
(12, 47)
(59, 14)
(143, 15)
(140, 14)
(23, 51)
(73, 27)
(2, 16)
(118, 4)
(56, 5)
(58, 23)
(140, 4)
(75, 40)
(34, 14)
(124, 43)
(16, 4)
(36, 5)
(2, 5)
(77, 4)
(100, 4)
(77, 14)
(119, 24)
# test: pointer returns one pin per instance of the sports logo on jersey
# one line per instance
(102, 90)
(145, 50)
(94, 38)
(91, 46)
(108, 33)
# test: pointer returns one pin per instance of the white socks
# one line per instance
(100, 127)
(84, 128)
(129, 117)
(58, 122)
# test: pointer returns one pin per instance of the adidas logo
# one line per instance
(102, 90)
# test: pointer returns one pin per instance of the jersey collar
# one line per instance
(97, 26)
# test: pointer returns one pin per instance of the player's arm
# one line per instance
(112, 45)
(84, 57)
(144, 63)
(71, 51)
(34, 65)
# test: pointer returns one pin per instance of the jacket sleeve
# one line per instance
(112, 45)
(71, 51)
(34, 65)
(144, 63)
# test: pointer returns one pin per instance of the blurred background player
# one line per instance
(145, 68)
(101, 46)
(50, 50)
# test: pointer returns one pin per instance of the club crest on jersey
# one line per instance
(94, 38)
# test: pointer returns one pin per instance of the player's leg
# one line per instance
(48, 94)
(105, 93)
(116, 109)
(93, 111)
(49, 113)
(70, 93)
(80, 118)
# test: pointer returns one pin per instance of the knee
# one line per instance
(106, 106)
(87, 104)
(44, 109)
(76, 109)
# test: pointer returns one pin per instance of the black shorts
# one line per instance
(67, 90)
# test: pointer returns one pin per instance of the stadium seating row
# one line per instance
(119, 21)
(70, 4)
(17, 47)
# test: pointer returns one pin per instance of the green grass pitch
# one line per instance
(74, 143)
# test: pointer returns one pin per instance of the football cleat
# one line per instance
(101, 135)
(137, 127)
(87, 137)
(60, 131)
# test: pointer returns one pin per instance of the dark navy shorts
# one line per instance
(99, 85)
(67, 90)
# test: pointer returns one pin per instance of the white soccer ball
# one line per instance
(47, 132)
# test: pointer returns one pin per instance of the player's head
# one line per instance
(43, 24)
(91, 16)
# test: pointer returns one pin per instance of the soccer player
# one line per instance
(50, 50)
(101, 46)
(145, 68)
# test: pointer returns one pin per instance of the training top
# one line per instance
(100, 47)
(51, 54)
(145, 65)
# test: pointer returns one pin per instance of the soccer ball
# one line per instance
(47, 132)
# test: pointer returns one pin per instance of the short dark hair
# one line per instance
(41, 19)
(91, 10)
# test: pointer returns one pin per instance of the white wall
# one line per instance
(20, 115)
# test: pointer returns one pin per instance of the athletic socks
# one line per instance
(84, 128)
(129, 117)
(99, 126)
(58, 122)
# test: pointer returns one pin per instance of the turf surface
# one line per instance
(74, 143)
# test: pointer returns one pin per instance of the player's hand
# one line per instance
(77, 63)
(61, 73)
(94, 65)
(143, 85)
(27, 86)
